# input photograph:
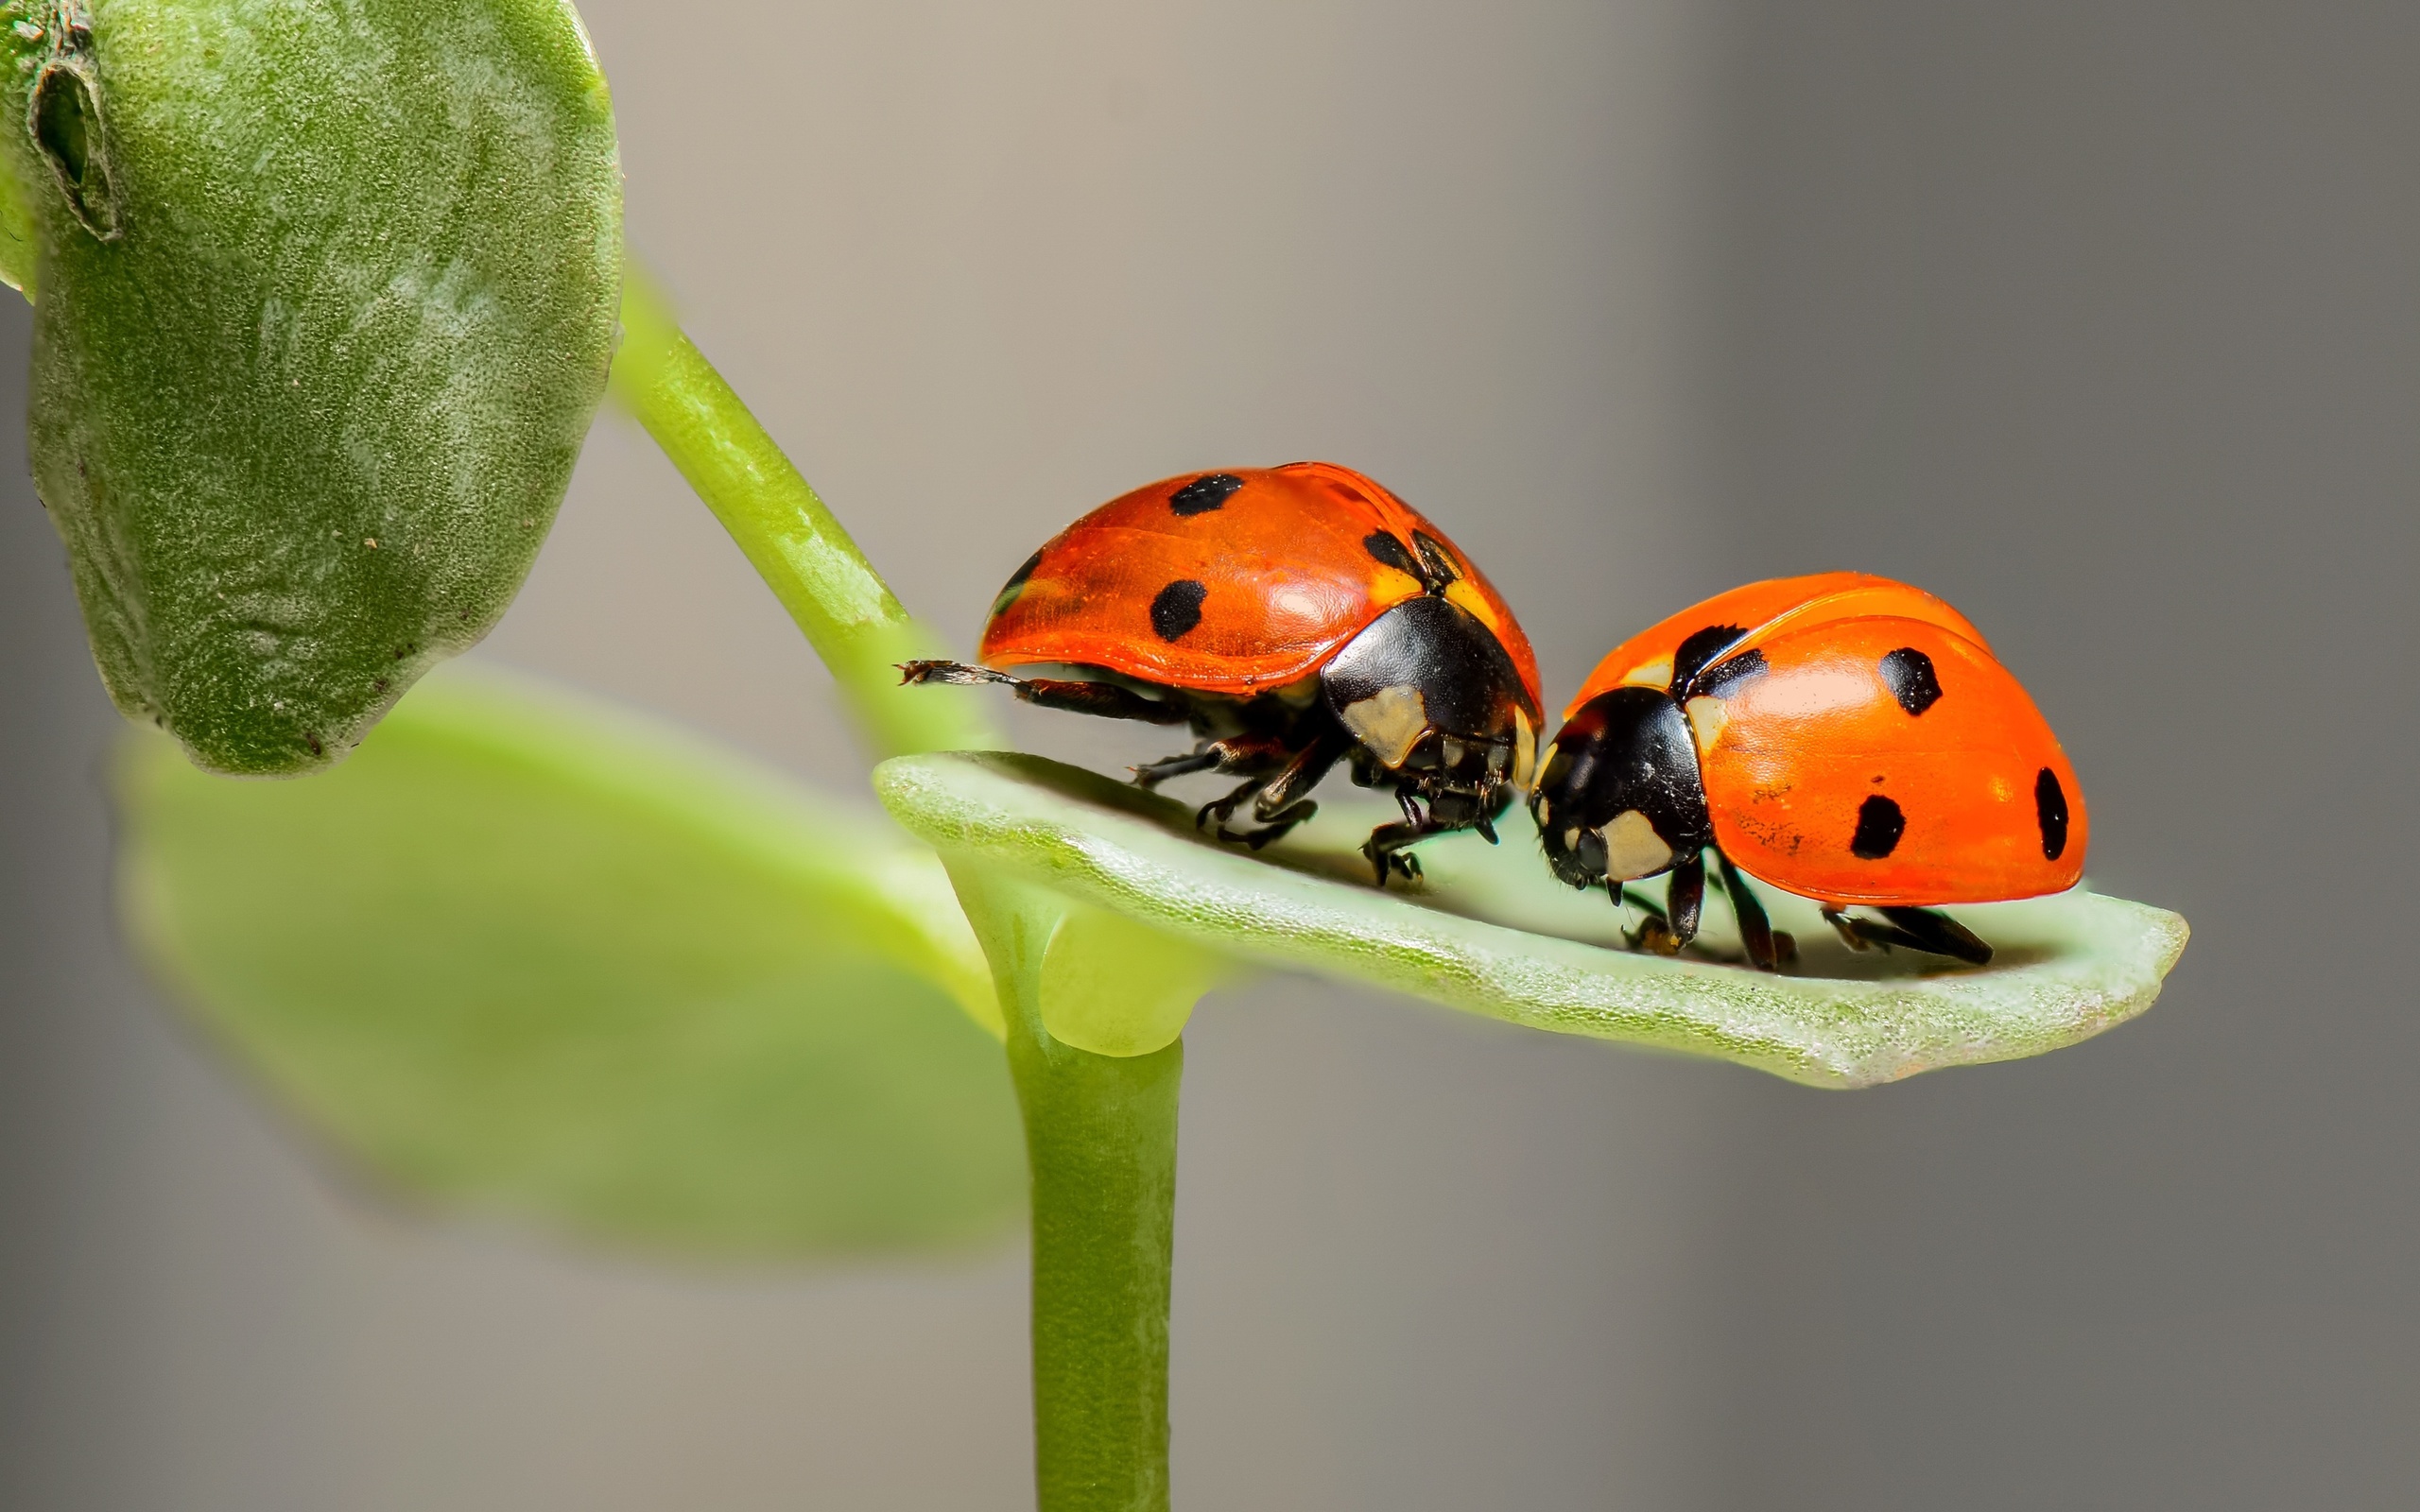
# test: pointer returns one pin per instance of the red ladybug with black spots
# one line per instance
(1843, 737)
(1294, 617)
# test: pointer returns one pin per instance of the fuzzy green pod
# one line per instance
(325, 296)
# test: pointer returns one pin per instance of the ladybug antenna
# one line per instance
(1436, 570)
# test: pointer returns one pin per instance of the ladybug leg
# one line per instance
(1151, 774)
(1922, 929)
(1916, 929)
(1856, 934)
(1106, 699)
(1237, 754)
(1384, 851)
(1279, 804)
(1683, 900)
(1215, 814)
(1756, 930)
(1385, 846)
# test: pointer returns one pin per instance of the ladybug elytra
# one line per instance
(1843, 737)
(1294, 617)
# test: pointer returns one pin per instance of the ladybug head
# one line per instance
(1431, 698)
(1621, 797)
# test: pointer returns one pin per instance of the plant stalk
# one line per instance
(1101, 1130)
(1100, 1139)
(1101, 1143)
(833, 594)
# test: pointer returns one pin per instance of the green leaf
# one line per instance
(327, 298)
(527, 957)
(1491, 932)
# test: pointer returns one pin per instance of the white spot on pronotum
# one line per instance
(1525, 755)
(1656, 674)
(1708, 715)
(1390, 722)
(1633, 849)
(1543, 820)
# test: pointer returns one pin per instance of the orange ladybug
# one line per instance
(1294, 617)
(1843, 737)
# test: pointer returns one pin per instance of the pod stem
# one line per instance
(851, 617)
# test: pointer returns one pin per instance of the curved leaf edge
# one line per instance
(2078, 964)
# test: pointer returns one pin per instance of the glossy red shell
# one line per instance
(1832, 748)
(1269, 581)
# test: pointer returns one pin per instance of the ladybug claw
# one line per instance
(1655, 936)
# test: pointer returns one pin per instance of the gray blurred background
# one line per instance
(2102, 318)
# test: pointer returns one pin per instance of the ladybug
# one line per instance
(1294, 617)
(1842, 736)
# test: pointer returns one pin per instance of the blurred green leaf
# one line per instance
(528, 958)
(1491, 932)
(326, 300)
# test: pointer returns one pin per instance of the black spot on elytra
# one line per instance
(1908, 674)
(1009, 589)
(1717, 679)
(1879, 824)
(1702, 647)
(1389, 552)
(1208, 492)
(2050, 811)
(1177, 609)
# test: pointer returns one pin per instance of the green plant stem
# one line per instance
(1101, 1143)
(1101, 1140)
(834, 594)
(1101, 1130)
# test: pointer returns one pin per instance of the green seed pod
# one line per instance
(326, 293)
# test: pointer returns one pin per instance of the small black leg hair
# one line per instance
(1914, 929)
(1104, 700)
(1756, 930)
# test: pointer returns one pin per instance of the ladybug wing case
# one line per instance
(1751, 614)
(1885, 761)
(1236, 583)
